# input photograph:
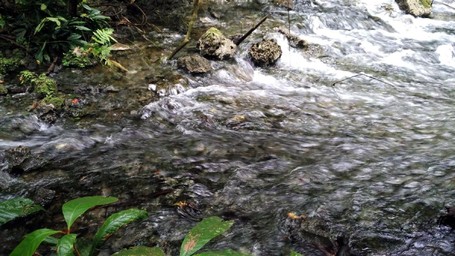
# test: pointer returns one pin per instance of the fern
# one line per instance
(103, 36)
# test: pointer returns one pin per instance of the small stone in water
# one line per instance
(152, 87)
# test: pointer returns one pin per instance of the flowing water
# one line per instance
(358, 135)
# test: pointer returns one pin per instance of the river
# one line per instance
(359, 135)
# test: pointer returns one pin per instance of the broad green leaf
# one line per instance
(116, 221)
(74, 36)
(202, 233)
(83, 28)
(294, 253)
(17, 207)
(75, 208)
(31, 242)
(227, 252)
(140, 251)
(65, 245)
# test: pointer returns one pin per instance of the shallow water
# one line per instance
(360, 136)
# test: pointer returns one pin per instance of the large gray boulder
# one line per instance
(417, 8)
(265, 53)
(213, 44)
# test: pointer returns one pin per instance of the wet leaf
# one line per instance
(202, 233)
(140, 251)
(227, 252)
(75, 208)
(31, 242)
(17, 207)
(65, 245)
(116, 221)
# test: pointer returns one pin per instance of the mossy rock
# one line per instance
(56, 101)
(417, 8)
(213, 44)
(8, 65)
(43, 85)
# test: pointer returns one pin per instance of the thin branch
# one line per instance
(240, 40)
(187, 38)
(361, 74)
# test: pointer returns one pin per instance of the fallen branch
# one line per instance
(241, 39)
(187, 37)
(371, 77)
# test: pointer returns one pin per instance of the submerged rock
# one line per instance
(20, 159)
(294, 40)
(417, 8)
(194, 64)
(449, 218)
(265, 53)
(213, 44)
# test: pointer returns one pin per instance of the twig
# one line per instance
(240, 40)
(186, 40)
(449, 6)
(12, 41)
(361, 74)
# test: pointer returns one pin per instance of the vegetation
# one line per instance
(43, 85)
(66, 243)
(48, 29)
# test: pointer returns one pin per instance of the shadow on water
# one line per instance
(295, 161)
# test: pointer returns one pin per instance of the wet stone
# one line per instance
(194, 64)
(213, 44)
(417, 8)
(265, 53)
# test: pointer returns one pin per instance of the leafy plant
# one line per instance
(98, 49)
(198, 236)
(17, 207)
(67, 242)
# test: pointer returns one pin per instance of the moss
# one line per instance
(8, 65)
(426, 3)
(56, 101)
(42, 84)
(212, 34)
(80, 60)
(45, 86)
(3, 90)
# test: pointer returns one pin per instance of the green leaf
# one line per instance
(17, 207)
(116, 221)
(82, 28)
(65, 245)
(227, 252)
(74, 36)
(294, 253)
(202, 233)
(43, 7)
(140, 251)
(75, 208)
(31, 242)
